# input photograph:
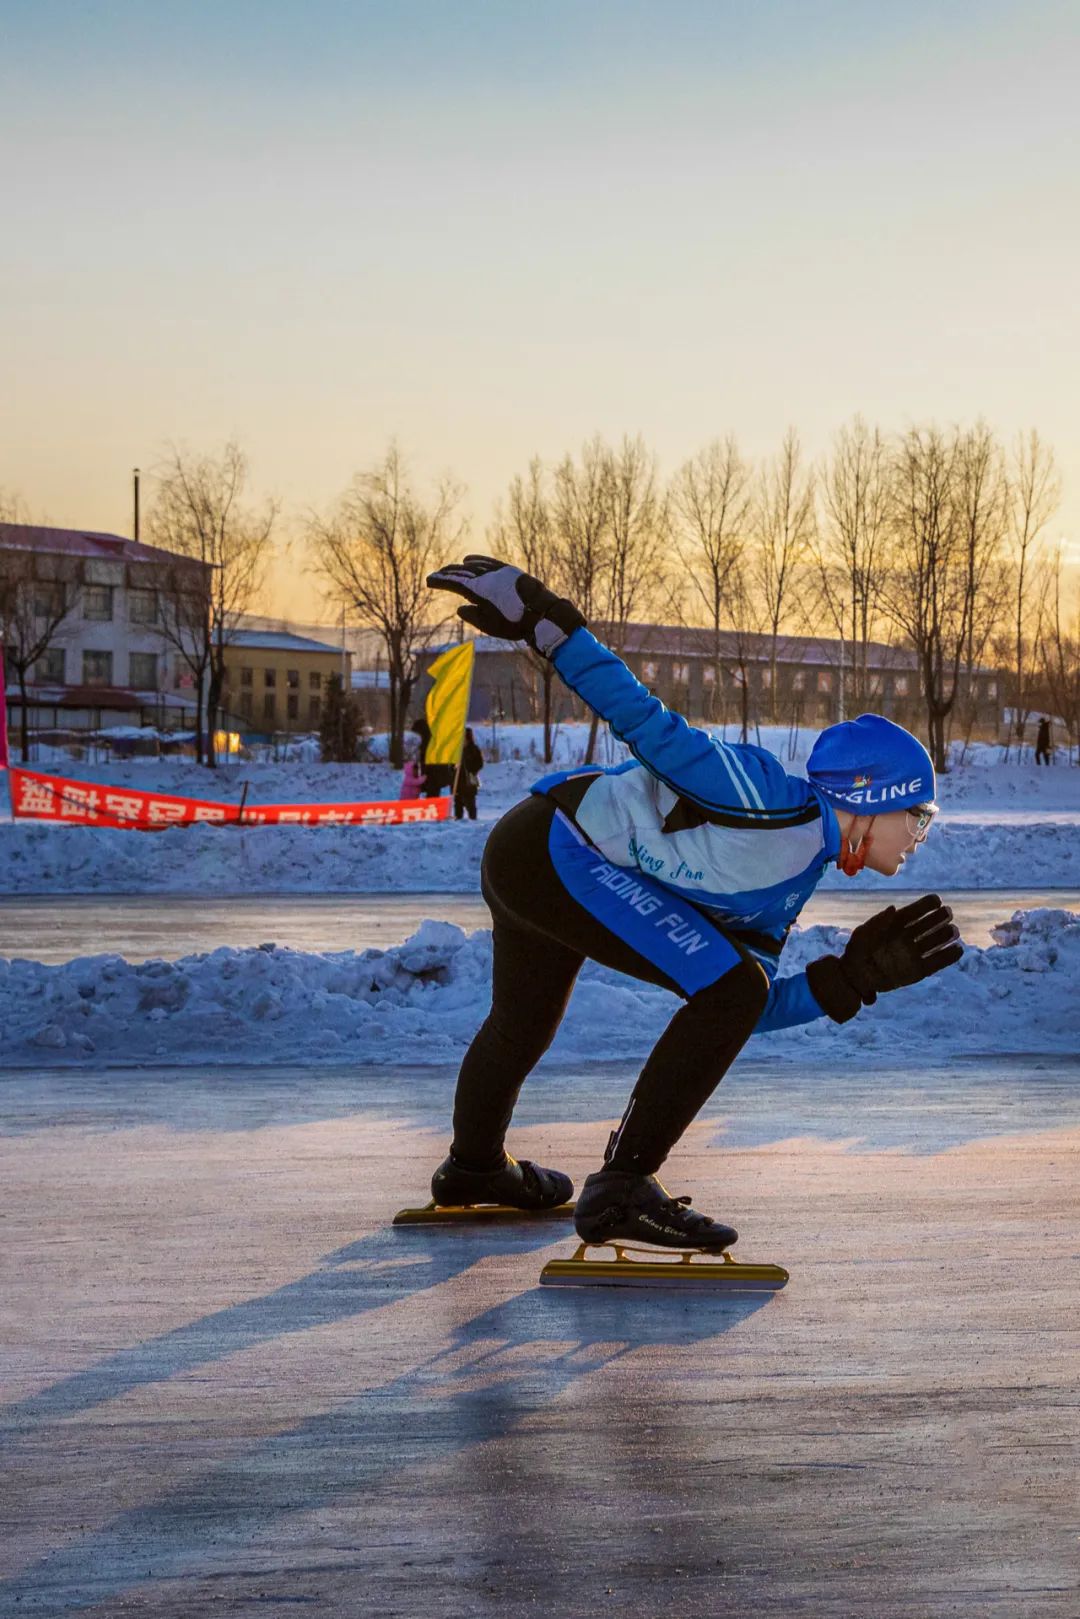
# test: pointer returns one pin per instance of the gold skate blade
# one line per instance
(473, 1213)
(687, 1268)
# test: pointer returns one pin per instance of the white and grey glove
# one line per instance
(508, 603)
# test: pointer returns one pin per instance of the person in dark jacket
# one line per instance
(467, 784)
(436, 777)
(1042, 742)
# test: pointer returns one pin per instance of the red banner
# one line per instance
(79, 803)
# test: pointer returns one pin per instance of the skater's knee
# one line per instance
(745, 985)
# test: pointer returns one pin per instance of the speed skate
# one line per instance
(618, 1264)
(473, 1213)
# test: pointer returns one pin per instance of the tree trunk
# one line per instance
(24, 719)
(547, 674)
(396, 739)
(213, 705)
(200, 731)
(590, 750)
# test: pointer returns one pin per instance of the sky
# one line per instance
(489, 230)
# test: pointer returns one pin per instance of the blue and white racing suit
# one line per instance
(717, 829)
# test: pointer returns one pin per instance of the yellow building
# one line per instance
(276, 681)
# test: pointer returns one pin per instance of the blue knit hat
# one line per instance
(871, 766)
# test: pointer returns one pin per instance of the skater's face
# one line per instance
(892, 839)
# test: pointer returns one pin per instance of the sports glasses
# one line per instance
(921, 815)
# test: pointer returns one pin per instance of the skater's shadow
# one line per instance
(502, 1367)
(390, 1265)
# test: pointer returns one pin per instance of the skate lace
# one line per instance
(680, 1207)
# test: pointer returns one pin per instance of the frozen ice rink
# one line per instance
(230, 1387)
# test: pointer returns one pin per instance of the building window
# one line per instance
(314, 710)
(50, 666)
(314, 680)
(246, 704)
(293, 706)
(142, 606)
(48, 600)
(292, 679)
(824, 680)
(900, 686)
(649, 672)
(97, 602)
(991, 690)
(708, 674)
(268, 707)
(798, 680)
(766, 679)
(143, 671)
(247, 676)
(97, 668)
(680, 674)
(270, 679)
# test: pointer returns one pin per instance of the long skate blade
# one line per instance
(686, 1269)
(473, 1213)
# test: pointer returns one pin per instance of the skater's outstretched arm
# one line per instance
(742, 781)
(739, 781)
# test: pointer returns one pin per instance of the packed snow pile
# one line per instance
(422, 1001)
(38, 858)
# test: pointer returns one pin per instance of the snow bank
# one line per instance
(36, 858)
(421, 1003)
(1006, 826)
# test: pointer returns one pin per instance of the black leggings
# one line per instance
(541, 938)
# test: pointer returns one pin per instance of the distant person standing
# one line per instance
(412, 779)
(468, 778)
(436, 777)
(1042, 742)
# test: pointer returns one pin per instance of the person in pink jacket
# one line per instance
(412, 779)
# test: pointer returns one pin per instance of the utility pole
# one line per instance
(135, 481)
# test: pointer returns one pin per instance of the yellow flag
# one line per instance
(447, 705)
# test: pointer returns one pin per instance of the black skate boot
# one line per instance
(515, 1185)
(618, 1205)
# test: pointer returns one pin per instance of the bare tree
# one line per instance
(1036, 492)
(1061, 654)
(846, 553)
(785, 525)
(945, 534)
(524, 531)
(982, 500)
(374, 552)
(637, 520)
(580, 518)
(222, 548)
(711, 504)
(39, 591)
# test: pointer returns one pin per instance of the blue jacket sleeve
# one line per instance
(790, 1003)
(745, 782)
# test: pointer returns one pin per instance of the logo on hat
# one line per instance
(862, 781)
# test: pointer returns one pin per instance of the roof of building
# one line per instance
(682, 641)
(85, 543)
(280, 641)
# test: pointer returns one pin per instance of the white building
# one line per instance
(109, 664)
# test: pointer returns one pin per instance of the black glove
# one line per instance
(891, 949)
(505, 602)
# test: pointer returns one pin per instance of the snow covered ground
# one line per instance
(43, 859)
(421, 1002)
(1003, 825)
